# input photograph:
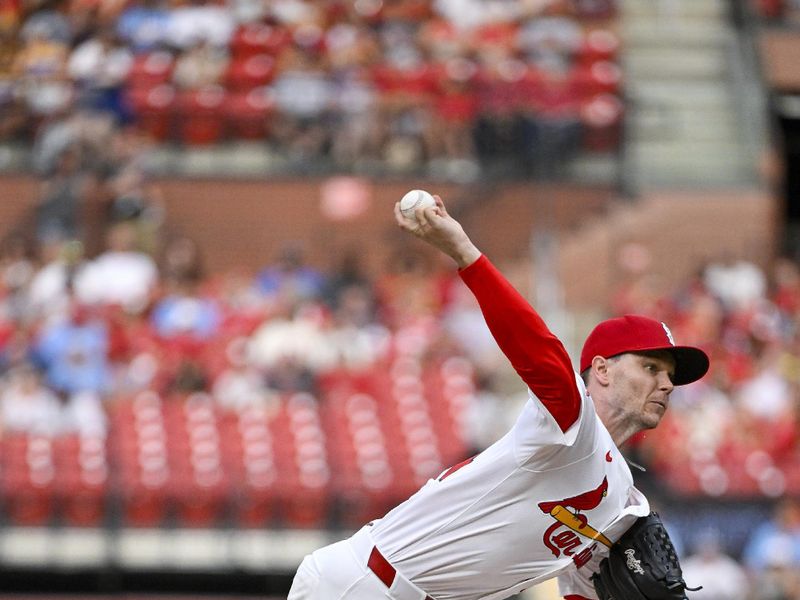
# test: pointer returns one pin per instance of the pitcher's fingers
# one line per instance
(424, 216)
(440, 205)
(401, 219)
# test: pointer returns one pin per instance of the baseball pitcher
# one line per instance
(553, 497)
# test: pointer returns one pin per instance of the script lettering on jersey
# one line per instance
(584, 556)
(563, 536)
(561, 542)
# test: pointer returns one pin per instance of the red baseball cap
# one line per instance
(634, 333)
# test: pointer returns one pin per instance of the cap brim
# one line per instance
(690, 363)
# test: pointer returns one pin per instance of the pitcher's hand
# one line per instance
(436, 227)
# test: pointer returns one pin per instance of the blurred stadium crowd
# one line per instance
(372, 86)
(140, 390)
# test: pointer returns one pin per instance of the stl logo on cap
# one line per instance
(669, 333)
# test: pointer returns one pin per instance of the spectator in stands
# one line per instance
(15, 346)
(52, 139)
(778, 580)
(243, 305)
(200, 65)
(467, 15)
(74, 353)
(39, 67)
(778, 537)
(189, 376)
(49, 20)
(10, 19)
(199, 21)
(721, 576)
(64, 196)
(239, 385)
(122, 275)
(291, 280)
(553, 103)
(354, 335)
(407, 86)
(785, 285)
(504, 136)
(294, 13)
(290, 350)
(184, 311)
(99, 67)
(143, 25)
(349, 272)
(766, 395)
(357, 132)
(454, 109)
(85, 414)
(51, 286)
(303, 99)
(736, 282)
(27, 405)
(551, 39)
(17, 267)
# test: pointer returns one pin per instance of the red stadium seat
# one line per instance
(151, 69)
(144, 504)
(248, 114)
(199, 115)
(152, 108)
(28, 481)
(82, 480)
(244, 74)
(29, 498)
(601, 77)
(599, 45)
(602, 118)
(200, 497)
(259, 38)
(83, 496)
(305, 505)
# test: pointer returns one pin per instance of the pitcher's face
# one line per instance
(641, 385)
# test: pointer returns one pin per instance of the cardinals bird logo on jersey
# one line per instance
(563, 535)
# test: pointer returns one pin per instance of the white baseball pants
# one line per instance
(339, 572)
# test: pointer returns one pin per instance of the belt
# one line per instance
(383, 568)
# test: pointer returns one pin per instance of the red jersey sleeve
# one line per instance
(536, 354)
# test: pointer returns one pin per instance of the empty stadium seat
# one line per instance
(199, 116)
(28, 480)
(248, 114)
(602, 119)
(151, 69)
(244, 74)
(152, 108)
(259, 38)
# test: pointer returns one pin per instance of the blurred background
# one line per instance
(217, 351)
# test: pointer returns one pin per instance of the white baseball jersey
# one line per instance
(541, 502)
(485, 530)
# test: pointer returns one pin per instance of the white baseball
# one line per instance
(414, 200)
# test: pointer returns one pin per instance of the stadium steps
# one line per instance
(684, 124)
(672, 9)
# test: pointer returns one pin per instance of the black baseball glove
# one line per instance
(642, 565)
